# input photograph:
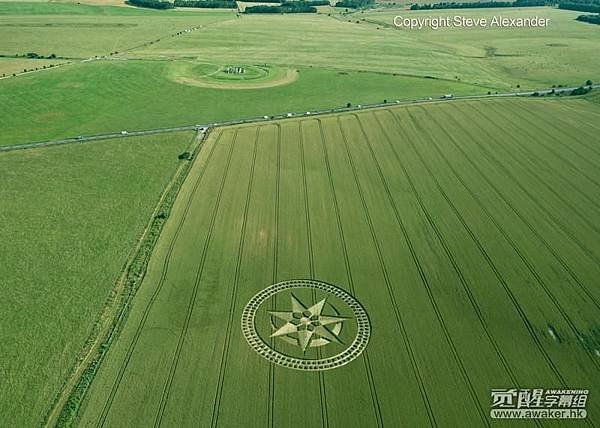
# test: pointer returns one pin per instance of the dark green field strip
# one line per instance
(555, 173)
(566, 297)
(520, 126)
(493, 261)
(541, 238)
(550, 230)
(559, 125)
(568, 148)
(559, 225)
(564, 324)
(586, 124)
(582, 113)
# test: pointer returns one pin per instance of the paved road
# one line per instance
(204, 127)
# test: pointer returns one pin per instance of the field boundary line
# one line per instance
(432, 299)
(311, 268)
(526, 262)
(236, 281)
(109, 322)
(157, 290)
(192, 303)
(370, 379)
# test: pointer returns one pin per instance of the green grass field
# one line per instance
(104, 96)
(46, 28)
(340, 62)
(467, 230)
(69, 217)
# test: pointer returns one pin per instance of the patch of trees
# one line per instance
(483, 5)
(355, 4)
(292, 7)
(581, 90)
(591, 19)
(580, 7)
(29, 55)
(152, 4)
(207, 4)
(305, 3)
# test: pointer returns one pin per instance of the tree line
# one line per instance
(590, 19)
(290, 7)
(207, 4)
(483, 5)
(592, 6)
(152, 4)
(354, 4)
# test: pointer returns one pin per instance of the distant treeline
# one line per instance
(483, 5)
(590, 19)
(288, 7)
(592, 6)
(354, 4)
(208, 4)
(152, 4)
(305, 3)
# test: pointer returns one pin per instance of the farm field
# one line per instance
(467, 230)
(550, 55)
(46, 28)
(529, 57)
(102, 96)
(69, 217)
(9, 66)
(149, 84)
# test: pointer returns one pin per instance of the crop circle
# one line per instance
(255, 341)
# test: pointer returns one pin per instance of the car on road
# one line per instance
(123, 132)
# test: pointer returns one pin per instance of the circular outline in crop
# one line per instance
(357, 346)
